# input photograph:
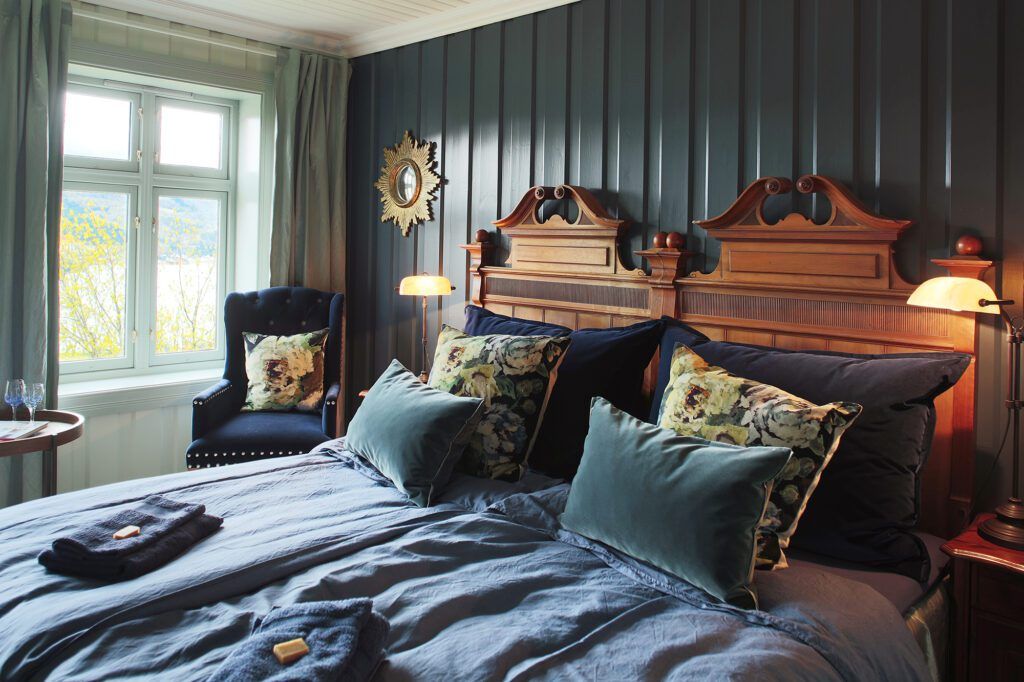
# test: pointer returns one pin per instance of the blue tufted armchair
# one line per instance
(221, 432)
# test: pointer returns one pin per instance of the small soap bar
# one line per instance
(290, 651)
(127, 532)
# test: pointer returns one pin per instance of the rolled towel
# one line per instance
(167, 528)
(345, 638)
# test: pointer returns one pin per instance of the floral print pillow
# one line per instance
(706, 401)
(514, 376)
(285, 372)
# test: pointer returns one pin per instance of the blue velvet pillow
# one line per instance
(600, 362)
(867, 502)
(685, 505)
(411, 432)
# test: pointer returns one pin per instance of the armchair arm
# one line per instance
(213, 406)
(331, 407)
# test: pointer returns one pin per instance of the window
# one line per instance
(146, 223)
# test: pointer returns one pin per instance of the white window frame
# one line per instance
(191, 358)
(148, 180)
(131, 165)
(127, 361)
(194, 171)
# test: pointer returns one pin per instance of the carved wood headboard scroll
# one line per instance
(791, 284)
(563, 272)
(799, 285)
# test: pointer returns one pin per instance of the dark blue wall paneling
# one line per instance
(667, 108)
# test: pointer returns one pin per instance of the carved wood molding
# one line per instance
(852, 249)
(591, 211)
(586, 245)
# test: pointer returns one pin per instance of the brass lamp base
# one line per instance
(1007, 527)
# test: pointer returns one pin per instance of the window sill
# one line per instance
(132, 394)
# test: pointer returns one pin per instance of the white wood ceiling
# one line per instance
(346, 27)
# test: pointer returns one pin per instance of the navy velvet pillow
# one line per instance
(600, 362)
(868, 500)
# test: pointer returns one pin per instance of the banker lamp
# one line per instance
(974, 296)
(425, 285)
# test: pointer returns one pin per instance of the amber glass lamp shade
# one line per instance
(956, 293)
(425, 285)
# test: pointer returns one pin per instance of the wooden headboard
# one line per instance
(793, 284)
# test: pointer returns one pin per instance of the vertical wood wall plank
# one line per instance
(725, 98)
(431, 107)
(516, 114)
(382, 291)
(776, 83)
(588, 86)
(974, 172)
(362, 223)
(486, 130)
(670, 203)
(900, 129)
(626, 170)
(552, 87)
(833, 136)
(459, 195)
(406, 309)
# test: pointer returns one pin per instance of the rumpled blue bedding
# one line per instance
(502, 593)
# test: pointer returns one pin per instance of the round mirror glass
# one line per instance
(407, 182)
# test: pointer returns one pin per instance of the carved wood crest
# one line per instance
(586, 245)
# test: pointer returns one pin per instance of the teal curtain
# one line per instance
(307, 246)
(34, 39)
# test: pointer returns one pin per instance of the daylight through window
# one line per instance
(148, 188)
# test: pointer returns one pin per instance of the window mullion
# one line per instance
(145, 294)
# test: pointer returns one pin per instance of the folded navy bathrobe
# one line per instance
(345, 638)
(167, 528)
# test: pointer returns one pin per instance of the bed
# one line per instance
(485, 584)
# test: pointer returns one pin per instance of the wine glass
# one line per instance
(34, 396)
(14, 395)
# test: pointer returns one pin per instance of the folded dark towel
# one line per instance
(156, 516)
(345, 638)
(167, 528)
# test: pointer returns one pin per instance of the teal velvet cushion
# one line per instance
(685, 505)
(411, 432)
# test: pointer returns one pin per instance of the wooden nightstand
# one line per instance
(988, 593)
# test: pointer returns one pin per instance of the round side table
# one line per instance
(63, 428)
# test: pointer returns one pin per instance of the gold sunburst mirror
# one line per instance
(407, 183)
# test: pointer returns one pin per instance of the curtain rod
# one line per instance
(174, 32)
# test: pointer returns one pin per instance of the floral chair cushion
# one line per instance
(284, 372)
(514, 376)
(708, 402)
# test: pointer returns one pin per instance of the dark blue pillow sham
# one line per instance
(867, 502)
(600, 362)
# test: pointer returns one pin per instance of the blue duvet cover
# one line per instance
(482, 586)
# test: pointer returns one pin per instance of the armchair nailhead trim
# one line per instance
(192, 464)
(200, 403)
